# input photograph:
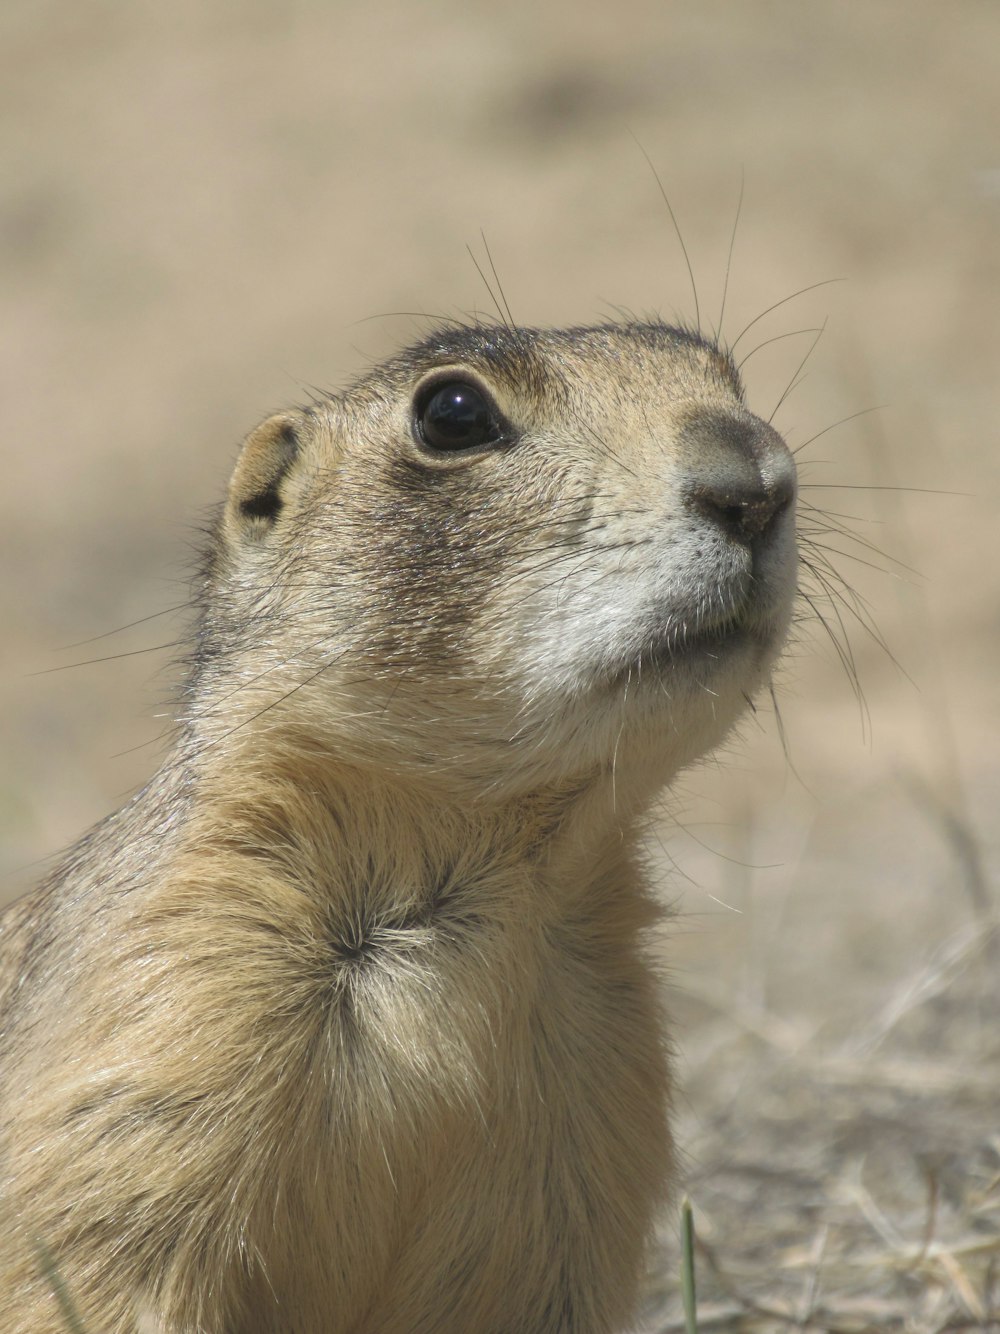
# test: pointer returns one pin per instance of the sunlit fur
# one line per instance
(345, 1023)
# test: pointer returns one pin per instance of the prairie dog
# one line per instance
(344, 1024)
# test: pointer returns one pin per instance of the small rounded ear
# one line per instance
(258, 485)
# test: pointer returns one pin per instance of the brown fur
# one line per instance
(344, 1024)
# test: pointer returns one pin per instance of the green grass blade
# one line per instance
(47, 1264)
(687, 1268)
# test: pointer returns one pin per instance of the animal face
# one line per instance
(510, 556)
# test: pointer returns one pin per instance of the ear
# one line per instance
(258, 489)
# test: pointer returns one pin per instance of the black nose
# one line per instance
(743, 507)
(741, 477)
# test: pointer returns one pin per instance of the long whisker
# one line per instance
(864, 486)
(824, 553)
(810, 538)
(843, 420)
(793, 333)
(680, 238)
(855, 607)
(729, 257)
(273, 704)
(777, 306)
(496, 279)
(130, 625)
(486, 283)
(111, 657)
(794, 380)
(842, 649)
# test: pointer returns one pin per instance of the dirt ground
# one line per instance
(203, 207)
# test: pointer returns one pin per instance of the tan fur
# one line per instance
(344, 1024)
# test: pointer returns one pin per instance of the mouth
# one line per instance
(703, 646)
(698, 635)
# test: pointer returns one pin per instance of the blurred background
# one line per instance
(208, 210)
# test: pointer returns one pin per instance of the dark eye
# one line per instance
(456, 415)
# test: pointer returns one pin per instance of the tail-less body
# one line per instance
(345, 1024)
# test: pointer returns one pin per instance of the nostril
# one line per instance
(730, 516)
(742, 515)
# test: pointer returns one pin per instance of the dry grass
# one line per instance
(852, 1186)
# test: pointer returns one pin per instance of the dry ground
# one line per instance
(201, 206)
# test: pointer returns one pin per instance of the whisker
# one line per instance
(842, 649)
(130, 625)
(486, 284)
(779, 723)
(680, 238)
(268, 671)
(496, 279)
(111, 657)
(729, 257)
(599, 440)
(859, 609)
(864, 486)
(794, 333)
(879, 407)
(860, 560)
(439, 319)
(850, 535)
(778, 304)
(794, 380)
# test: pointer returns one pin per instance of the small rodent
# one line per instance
(345, 1023)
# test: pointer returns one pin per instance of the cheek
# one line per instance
(574, 640)
(587, 617)
(570, 655)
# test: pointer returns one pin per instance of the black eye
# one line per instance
(456, 415)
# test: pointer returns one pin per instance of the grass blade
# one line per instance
(47, 1264)
(687, 1268)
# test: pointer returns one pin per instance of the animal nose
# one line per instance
(744, 508)
(741, 477)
